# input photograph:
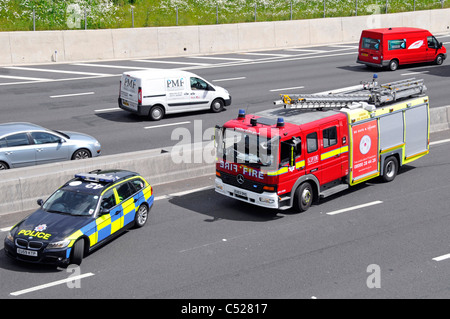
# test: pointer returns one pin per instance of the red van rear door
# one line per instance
(370, 47)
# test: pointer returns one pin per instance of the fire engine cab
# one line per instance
(320, 144)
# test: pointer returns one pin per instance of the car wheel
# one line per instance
(82, 153)
(141, 216)
(217, 106)
(156, 113)
(3, 166)
(390, 169)
(393, 65)
(303, 197)
(439, 59)
(78, 252)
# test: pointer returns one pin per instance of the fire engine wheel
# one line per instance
(156, 113)
(390, 169)
(303, 197)
(393, 65)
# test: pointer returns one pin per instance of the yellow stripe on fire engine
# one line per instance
(335, 152)
(285, 169)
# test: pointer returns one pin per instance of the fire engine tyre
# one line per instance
(217, 106)
(439, 59)
(156, 113)
(393, 65)
(390, 169)
(78, 252)
(303, 197)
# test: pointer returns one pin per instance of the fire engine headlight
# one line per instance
(59, 244)
(267, 200)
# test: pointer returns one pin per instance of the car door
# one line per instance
(125, 192)
(200, 95)
(104, 225)
(432, 47)
(49, 147)
(18, 150)
(330, 153)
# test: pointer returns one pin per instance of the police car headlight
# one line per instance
(59, 244)
(10, 237)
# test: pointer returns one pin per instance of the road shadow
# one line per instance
(429, 68)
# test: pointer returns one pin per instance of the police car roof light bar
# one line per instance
(97, 178)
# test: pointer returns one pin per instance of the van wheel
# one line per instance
(393, 65)
(390, 169)
(303, 197)
(217, 105)
(439, 59)
(156, 113)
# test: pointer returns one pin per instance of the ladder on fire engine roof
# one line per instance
(370, 93)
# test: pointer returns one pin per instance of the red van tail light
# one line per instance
(139, 95)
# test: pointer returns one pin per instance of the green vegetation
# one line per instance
(101, 14)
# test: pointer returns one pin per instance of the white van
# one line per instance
(155, 92)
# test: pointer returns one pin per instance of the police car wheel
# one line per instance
(303, 197)
(156, 113)
(217, 105)
(141, 216)
(78, 252)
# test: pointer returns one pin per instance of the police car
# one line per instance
(80, 216)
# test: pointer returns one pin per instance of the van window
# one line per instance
(371, 44)
(432, 42)
(397, 44)
(329, 136)
(198, 84)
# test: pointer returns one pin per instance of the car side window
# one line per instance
(138, 184)
(19, 139)
(44, 138)
(329, 136)
(124, 191)
(3, 142)
(432, 42)
(311, 142)
(109, 199)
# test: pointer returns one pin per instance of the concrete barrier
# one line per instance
(89, 45)
(21, 187)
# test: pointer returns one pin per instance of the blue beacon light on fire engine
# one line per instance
(241, 114)
(280, 122)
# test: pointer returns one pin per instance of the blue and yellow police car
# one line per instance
(80, 216)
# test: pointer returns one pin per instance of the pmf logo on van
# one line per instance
(175, 84)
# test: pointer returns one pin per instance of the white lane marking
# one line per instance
(51, 284)
(268, 54)
(306, 50)
(110, 66)
(183, 193)
(108, 110)
(171, 62)
(354, 207)
(443, 257)
(413, 73)
(169, 124)
(21, 78)
(59, 80)
(218, 58)
(285, 89)
(5, 229)
(73, 94)
(440, 142)
(53, 71)
(344, 46)
(229, 79)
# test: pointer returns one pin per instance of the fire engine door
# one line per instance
(331, 152)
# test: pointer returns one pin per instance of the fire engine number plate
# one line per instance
(27, 252)
(240, 193)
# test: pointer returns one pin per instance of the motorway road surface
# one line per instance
(392, 237)
(83, 96)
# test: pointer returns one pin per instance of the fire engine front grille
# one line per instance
(246, 184)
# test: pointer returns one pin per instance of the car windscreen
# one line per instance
(71, 202)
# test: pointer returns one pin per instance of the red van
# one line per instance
(391, 47)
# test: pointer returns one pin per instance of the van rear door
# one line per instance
(370, 47)
(129, 91)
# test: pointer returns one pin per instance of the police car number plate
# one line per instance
(27, 252)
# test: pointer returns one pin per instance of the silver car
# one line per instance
(25, 144)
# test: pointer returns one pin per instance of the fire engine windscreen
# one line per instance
(258, 149)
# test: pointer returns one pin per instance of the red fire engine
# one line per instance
(320, 144)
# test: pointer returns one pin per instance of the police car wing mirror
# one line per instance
(104, 211)
(40, 202)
